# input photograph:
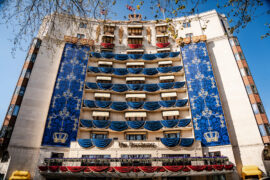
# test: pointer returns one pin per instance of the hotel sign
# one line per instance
(137, 145)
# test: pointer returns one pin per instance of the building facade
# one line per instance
(135, 99)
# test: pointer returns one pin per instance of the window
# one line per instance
(137, 137)
(255, 108)
(33, 57)
(189, 35)
(56, 155)
(249, 90)
(254, 89)
(94, 163)
(10, 110)
(20, 90)
(83, 25)
(258, 108)
(262, 130)
(245, 72)
(27, 74)
(186, 24)
(99, 136)
(176, 162)
(133, 160)
(16, 110)
(80, 36)
(239, 56)
(132, 156)
(172, 135)
(214, 154)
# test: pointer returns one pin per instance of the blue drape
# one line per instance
(107, 55)
(85, 143)
(119, 106)
(170, 142)
(89, 103)
(105, 85)
(119, 87)
(106, 69)
(103, 104)
(181, 102)
(169, 123)
(135, 124)
(164, 69)
(135, 56)
(96, 55)
(86, 123)
(152, 125)
(121, 56)
(168, 85)
(101, 143)
(150, 87)
(184, 122)
(135, 87)
(135, 105)
(101, 123)
(151, 105)
(186, 142)
(162, 55)
(179, 84)
(150, 71)
(176, 68)
(174, 54)
(120, 71)
(90, 85)
(93, 69)
(118, 125)
(149, 56)
(168, 103)
(135, 70)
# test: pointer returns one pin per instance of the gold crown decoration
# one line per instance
(211, 136)
(135, 17)
(59, 137)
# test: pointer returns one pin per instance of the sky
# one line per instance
(256, 51)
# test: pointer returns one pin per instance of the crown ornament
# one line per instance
(211, 136)
(60, 137)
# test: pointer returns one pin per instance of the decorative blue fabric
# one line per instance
(164, 69)
(135, 56)
(107, 70)
(135, 70)
(169, 123)
(170, 142)
(150, 87)
(149, 56)
(151, 105)
(152, 125)
(90, 85)
(58, 126)
(101, 123)
(150, 71)
(135, 105)
(105, 85)
(168, 103)
(120, 87)
(135, 87)
(96, 55)
(101, 143)
(93, 69)
(118, 125)
(184, 122)
(119, 106)
(179, 84)
(174, 54)
(186, 142)
(85, 143)
(121, 57)
(135, 124)
(162, 55)
(120, 71)
(107, 55)
(103, 104)
(181, 102)
(89, 103)
(168, 85)
(209, 126)
(176, 68)
(86, 123)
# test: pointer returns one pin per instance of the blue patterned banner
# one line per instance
(63, 116)
(207, 114)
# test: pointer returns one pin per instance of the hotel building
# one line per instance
(135, 100)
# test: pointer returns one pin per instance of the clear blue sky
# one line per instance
(255, 50)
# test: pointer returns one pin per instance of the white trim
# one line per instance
(135, 78)
(170, 94)
(105, 63)
(170, 113)
(134, 36)
(164, 62)
(135, 95)
(107, 78)
(135, 50)
(166, 77)
(101, 113)
(164, 49)
(135, 114)
(107, 95)
(135, 26)
(135, 64)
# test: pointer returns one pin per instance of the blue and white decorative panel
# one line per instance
(63, 116)
(207, 114)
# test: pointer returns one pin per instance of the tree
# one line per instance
(29, 14)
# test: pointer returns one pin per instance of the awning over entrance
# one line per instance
(251, 171)
(20, 175)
